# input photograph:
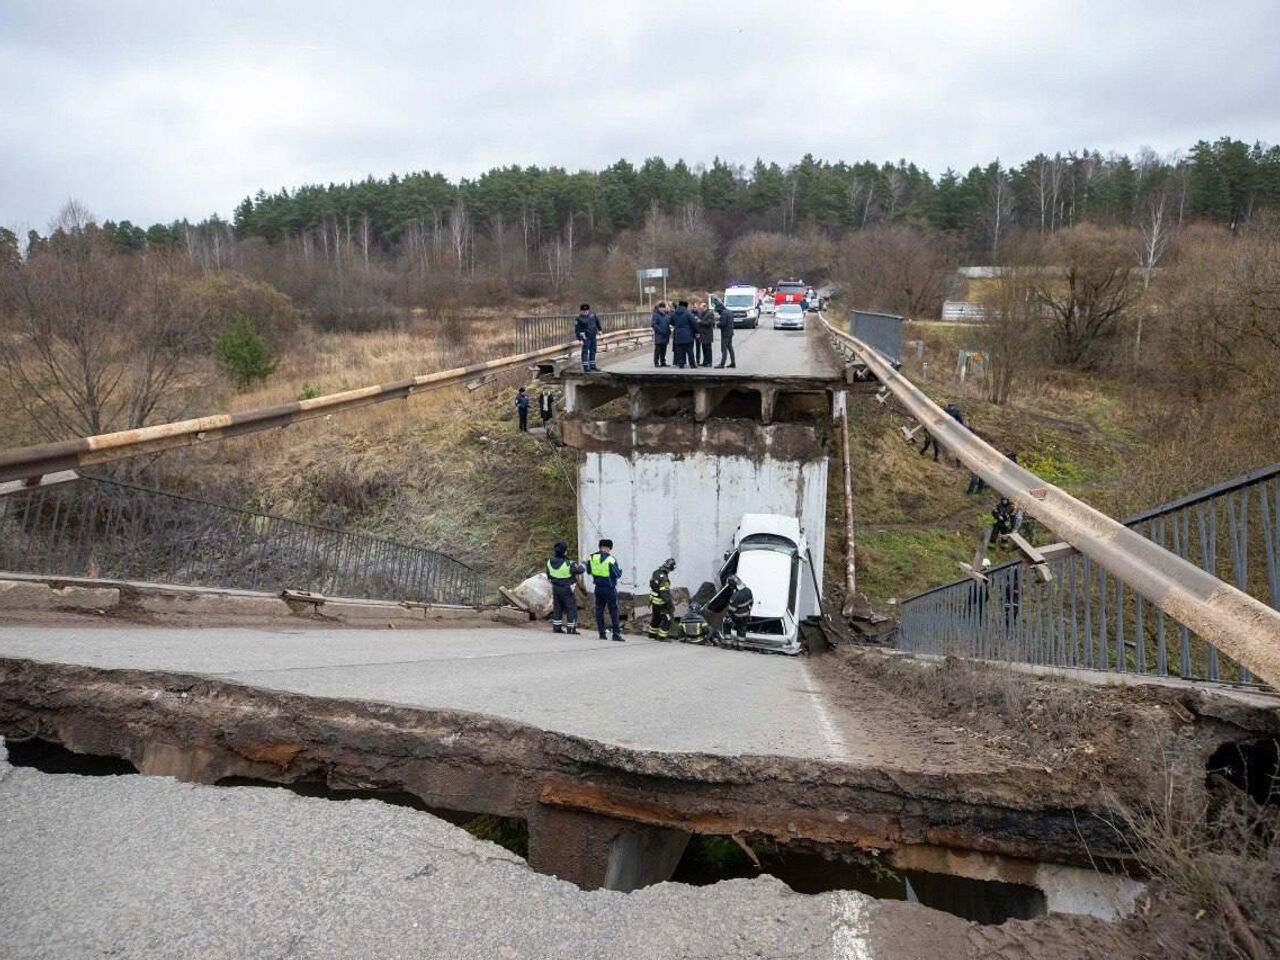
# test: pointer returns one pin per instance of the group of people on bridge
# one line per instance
(605, 570)
(691, 331)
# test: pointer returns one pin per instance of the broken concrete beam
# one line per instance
(510, 615)
(26, 595)
(598, 852)
(213, 604)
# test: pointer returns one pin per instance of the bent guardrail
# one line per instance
(95, 527)
(1241, 626)
(1085, 617)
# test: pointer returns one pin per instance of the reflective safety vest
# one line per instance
(602, 565)
(561, 571)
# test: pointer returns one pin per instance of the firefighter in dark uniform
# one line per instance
(739, 610)
(694, 627)
(662, 608)
(563, 572)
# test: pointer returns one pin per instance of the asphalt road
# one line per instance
(146, 867)
(763, 352)
(640, 694)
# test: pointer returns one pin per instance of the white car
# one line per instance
(766, 304)
(811, 300)
(771, 557)
(788, 316)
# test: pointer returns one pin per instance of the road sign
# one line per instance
(651, 273)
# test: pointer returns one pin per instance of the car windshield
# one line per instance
(790, 287)
(739, 300)
(768, 541)
(789, 310)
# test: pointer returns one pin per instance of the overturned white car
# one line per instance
(770, 555)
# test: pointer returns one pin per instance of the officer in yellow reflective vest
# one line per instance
(562, 572)
(661, 606)
(605, 571)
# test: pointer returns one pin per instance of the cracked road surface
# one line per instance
(639, 694)
(145, 867)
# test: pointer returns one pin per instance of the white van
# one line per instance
(743, 304)
(770, 555)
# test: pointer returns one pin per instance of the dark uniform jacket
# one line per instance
(562, 570)
(740, 602)
(586, 327)
(605, 571)
(661, 323)
(683, 326)
(725, 322)
(660, 590)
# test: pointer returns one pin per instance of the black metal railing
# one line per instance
(96, 527)
(539, 332)
(1085, 617)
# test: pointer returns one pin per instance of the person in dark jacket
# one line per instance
(929, 441)
(605, 571)
(586, 328)
(706, 333)
(522, 410)
(562, 572)
(693, 626)
(546, 407)
(739, 610)
(684, 330)
(661, 323)
(725, 322)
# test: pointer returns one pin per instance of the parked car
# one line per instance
(766, 303)
(811, 303)
(788, 316)
(770, 555)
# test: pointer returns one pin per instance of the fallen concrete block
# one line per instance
(510, 615)
(25, 595)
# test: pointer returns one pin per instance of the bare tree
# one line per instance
(761, 257)
(1155, 232)
(99, 339)
(1009, 335)
(1086, 293)
(900, 268)
(459, 231)
(999, 203)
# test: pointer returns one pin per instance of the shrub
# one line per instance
(309, 392)
(243, 355)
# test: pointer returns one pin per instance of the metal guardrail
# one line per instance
(31, 463)
(536, 332)
(95, 527)
(1240, 626)
(1085, 616)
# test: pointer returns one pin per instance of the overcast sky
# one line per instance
(160, 110)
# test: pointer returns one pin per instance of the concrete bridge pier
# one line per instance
(598, 852)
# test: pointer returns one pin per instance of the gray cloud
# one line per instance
(154, 111)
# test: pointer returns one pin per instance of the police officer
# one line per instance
(662, 607)
(684, 334)
(693, 626)
(605, 571)
(661, 324)
(706, 332)
(740, 602)
(585, 329)
(562, 571)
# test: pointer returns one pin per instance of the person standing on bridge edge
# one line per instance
(605, 571)
(706, 332)
(661, 323)
(586, 328)
(684, 331)
(563, 573)
(522, 409)
(725, 323)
